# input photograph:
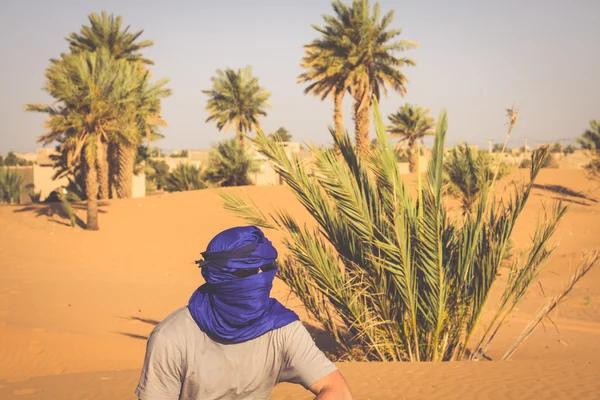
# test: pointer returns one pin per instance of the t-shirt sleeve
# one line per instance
(162, 374)
(303, 362)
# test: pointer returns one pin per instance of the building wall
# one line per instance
(43, 182)
(139, 186)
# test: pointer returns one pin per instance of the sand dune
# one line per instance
(76, 306)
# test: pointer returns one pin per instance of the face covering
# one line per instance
(230, 309)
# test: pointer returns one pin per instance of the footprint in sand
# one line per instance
(21, 392)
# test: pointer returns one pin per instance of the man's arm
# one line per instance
(305, 364)
(331, 387)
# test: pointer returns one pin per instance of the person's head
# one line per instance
(240, 252)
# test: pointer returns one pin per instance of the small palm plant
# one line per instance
(590, 141)
(389, 275)
(229, 164)
(185, 177)
(468, 171)
(11, 185)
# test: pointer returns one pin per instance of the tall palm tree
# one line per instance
(116, 157)
(357, 52)
(326, 65)
(411, 123)
(96, 97)
(375, 63)
(236, 99)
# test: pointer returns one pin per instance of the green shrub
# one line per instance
(468, 171)
(229, 164)
(10, 186)
(389, 275)
(525, 163)
(185, 177)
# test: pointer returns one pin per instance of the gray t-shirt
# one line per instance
(183, 363)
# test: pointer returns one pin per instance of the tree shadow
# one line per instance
(53, 209)
(149, 321)
(132, 335)
(563, 190)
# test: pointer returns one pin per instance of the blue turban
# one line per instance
(230, 309)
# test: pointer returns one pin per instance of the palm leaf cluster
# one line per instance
(468, 171)
(229, 165)
(185, 177)
(590, 141)
(389, 274)
(236, 99)
(356, 52)
(11, 186)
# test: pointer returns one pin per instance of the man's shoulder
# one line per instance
(175, 324)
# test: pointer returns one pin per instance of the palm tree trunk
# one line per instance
(102, 165)
(239, 135)
(338, 115)
(362, 120)
(113, 169)
(413, 157)
(126, 164)
(91, 191)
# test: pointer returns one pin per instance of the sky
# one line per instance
(475, 59)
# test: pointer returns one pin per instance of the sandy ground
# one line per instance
(76, 307)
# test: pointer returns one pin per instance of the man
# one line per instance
(233, 341)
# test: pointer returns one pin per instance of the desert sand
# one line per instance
(76, 307)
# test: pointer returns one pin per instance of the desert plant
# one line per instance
(357, 51)
(117, 152)
(236, 99)
(525, 163)
(185, 177)
(469, 172)
(590, 141)
(411, 124)
(229, 164)
(11, 186)
(35, 196)
(391, 276)
(281, 135)
(13, 160)
(570, 149)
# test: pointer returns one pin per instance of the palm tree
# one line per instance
(357, 52)
(236, 99)
(391, 276)
(326, 65)
(96, 96)
(229, 164)
(147, 121)
(116, 157)
(411, 123)
(375, 65)
(281, 135)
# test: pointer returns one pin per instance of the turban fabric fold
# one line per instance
(230, 309)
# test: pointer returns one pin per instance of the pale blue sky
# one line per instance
(475, 58)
